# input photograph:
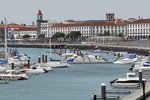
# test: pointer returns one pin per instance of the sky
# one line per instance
(25, 11)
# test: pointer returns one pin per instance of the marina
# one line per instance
(78, 80)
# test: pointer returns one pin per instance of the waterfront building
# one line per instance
(42, 25)
(139, 29)
(19, 33)
(92, 28)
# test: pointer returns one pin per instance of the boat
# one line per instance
(74, 58)
(145, 69)
(130, 81)
(130, 59)
(11, 75)
(55, 64)
(4, 81)
(38, 66)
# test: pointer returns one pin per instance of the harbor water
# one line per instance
(78, 82)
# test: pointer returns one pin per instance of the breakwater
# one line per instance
(130, 49)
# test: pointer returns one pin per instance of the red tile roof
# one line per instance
(141, 21)
(12, 26)
(26, 29)
(117, 23)
(39, 12)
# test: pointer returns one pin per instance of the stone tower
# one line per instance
(39, 20)
(110, 17)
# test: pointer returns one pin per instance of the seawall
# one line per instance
(130, 49)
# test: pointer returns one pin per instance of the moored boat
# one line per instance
(11, 75)
(130, 81)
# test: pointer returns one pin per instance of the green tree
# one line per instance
(26, 36)
(74, 35)
(41, 36)
(58, 34)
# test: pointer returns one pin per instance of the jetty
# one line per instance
(138, 95)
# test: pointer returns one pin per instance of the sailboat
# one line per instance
(54, 64)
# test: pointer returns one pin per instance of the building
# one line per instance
(132, 28)
(92, 27)
(42, 25)
(19, 33)
(139, 29)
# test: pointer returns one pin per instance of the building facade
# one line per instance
(139, 29)
(19, 33)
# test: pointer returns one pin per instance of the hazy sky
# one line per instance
(24, 11)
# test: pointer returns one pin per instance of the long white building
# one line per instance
(139, 29)
(132, 28)
(90, 28)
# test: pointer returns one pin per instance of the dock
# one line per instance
(138, 94)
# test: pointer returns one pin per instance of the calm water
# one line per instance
(75, 83)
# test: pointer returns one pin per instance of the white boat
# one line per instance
(38, 66)
(130, 81)
(11, 75)
(126, 60)
(55, 64)
(21, 59)
(145, 67)
(33, 71)
(4, 81)
(3, 68)
(84, 58)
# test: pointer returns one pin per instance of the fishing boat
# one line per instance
(130, 81)
(11, 75)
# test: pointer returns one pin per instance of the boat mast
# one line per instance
(6, 57)
(50, 46)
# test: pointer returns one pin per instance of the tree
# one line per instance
(58, 34)
(26, 36)
(74, 35)
(41, 36)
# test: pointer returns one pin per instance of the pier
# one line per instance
(138, 95)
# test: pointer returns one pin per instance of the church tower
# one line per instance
(39, 15)
(39, 21)
(110, 17)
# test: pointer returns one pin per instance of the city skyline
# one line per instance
(18, 11)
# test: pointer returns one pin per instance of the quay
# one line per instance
(131, 49)
(138, 95)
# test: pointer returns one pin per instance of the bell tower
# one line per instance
(39, 15)
(39, 21)
(110, 17)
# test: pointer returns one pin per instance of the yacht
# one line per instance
(130, 81)
(11, 75)
(55, 64)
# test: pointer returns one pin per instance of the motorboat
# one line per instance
(145, 69)
(84, 58)
(55, 64)
(38, 66)
(129, 82)
(11, 75)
